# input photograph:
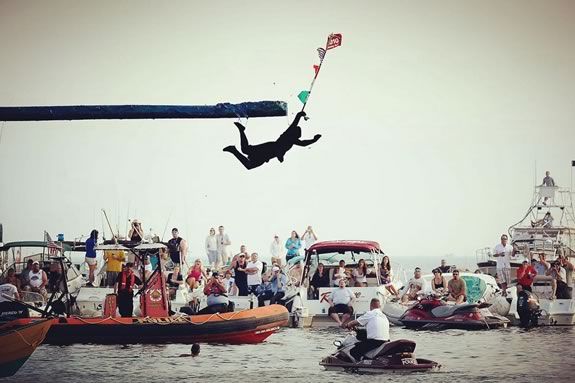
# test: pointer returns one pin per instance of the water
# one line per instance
(506, 355)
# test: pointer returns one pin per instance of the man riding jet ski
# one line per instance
(371, 351)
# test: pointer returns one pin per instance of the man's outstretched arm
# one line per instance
(297, 118)
(308, 142)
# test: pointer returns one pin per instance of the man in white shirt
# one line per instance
(503, 253)
(223, 244)
(341, 302)
(309, 237)
(212, 249)
(10, 291)
(377, 327)
(276, 251)
(254, 270)
(415, 286)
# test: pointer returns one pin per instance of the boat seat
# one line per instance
(447, 310)
(405, 345)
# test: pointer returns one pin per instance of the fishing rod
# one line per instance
(108, 221)
(166, 226)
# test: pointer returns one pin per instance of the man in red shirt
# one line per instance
(525, 275)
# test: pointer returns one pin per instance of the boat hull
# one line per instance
(334, 364)
(19, 343)
(248, 326)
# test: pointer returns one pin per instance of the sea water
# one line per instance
(505, 355)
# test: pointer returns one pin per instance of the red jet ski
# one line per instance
(432, 313)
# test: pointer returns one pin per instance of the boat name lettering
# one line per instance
(161, 320)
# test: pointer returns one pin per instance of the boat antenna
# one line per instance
(166, 225)
(108, 221)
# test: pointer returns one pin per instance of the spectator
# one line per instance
(341, 272)
(319, 279)
(217, 298)
(360, 274)
(38, 280)
(174, 281)
(295, 275)
(240, 275)
(386, 275)
(196, 274)
(540, 265)
(439, 282)
(124, 289)
(292, 245)
(414, 286)
(178, 248)
(279, 282)
(223, 245)
(229, 283)
(254, 270)
(25, 274)
(547, 181)
(276, 251)
(445, 268)
(264, 291)
(114, 258)
(457, 289)
(136, 233)
(11, 278)
(212, 249)
(503, 252)
(525, 275)
(308, 237)
(90, 259)
(560, 288)
(546, 221)
(341, 302)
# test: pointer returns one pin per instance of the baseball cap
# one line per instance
(275, 268)
(36, 263)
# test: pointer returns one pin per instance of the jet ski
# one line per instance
(528, 309)
(433, 313)
(395, 356)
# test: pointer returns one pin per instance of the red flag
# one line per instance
(333, 41)
(316, 69)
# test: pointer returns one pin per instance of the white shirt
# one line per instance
(211, 243)
(416, 282)
(341, 296)
(505, 261)
(276, 249)
(223, 241)
(358, 277)
(376, 324)
(308, 240)
(36, 278)
(256, 278)
(8, 289)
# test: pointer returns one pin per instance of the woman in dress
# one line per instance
(386, 276)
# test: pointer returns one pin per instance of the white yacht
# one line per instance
(546, 230)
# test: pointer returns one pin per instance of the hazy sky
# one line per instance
(434, 116)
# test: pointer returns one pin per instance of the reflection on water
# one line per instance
(508, 355)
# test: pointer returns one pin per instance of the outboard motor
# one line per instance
(528, 309)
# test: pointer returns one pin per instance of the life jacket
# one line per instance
(126, 285)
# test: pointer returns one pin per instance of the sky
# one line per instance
(437, 118)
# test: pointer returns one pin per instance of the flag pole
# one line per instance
(316, 73)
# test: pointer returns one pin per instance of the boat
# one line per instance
(432, 313)
(535, 236)
(481, 288)
(239, 327)
(394, 356)
(309, 311)
(19, 343)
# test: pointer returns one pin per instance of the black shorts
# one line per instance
(341, 309)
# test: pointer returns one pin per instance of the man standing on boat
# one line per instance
(178, 248)
(223, 244)
(547, 181)
(124, 289)
(503, 252)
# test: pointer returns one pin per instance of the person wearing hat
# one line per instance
(279, 282)
(136, 233)
(526, 273)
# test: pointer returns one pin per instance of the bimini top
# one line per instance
(343, 246)
(10, 245)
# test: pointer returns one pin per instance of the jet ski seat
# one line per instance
(402, 345)
(448, 310)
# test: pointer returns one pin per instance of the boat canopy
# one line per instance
(39, 244)
(344, 246)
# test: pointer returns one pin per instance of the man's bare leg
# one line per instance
(335, 317)
(243, 159)
(244, 144)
